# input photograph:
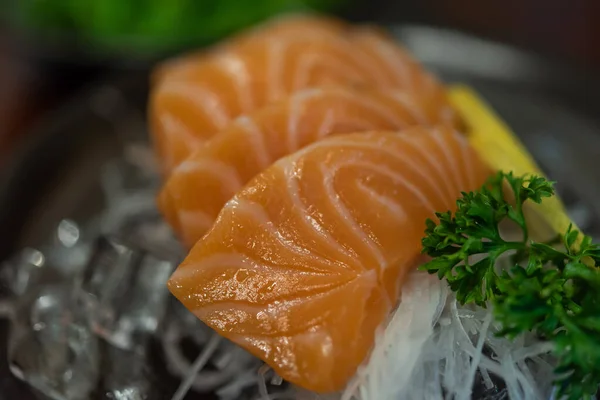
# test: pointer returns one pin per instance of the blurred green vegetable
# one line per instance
(153, 25)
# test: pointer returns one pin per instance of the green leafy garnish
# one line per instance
(551, 291)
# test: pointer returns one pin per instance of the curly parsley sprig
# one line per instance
(550, 291)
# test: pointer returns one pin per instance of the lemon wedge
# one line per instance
(502, 150)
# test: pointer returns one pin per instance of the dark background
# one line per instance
(35, 81)
(563, 29)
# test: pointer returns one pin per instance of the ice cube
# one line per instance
(132, 214)
(141, 223)
(51, 346)
(69, 252)
(148, 296)
(121, 178)
(58, 262)
(130, 191)
(125, 291)
(68, 233)
(23, 270)
(128, 376)
(130, 186)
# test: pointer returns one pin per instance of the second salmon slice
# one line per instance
(197, 190)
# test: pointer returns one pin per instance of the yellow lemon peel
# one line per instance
(500, 148)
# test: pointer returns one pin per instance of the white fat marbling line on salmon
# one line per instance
(276, 310)
(360, 64)
(401, 156)
(339, 96)
(304, 293)
(395, 208)
(257, 137)
(272, 317)
(226, 317)
(406, 161)
(345, 214)
(335, 67)
(409, 104)
(276, 88)
(452, 162)
(224, 173)
(217, 262)
(286, 338)
(206, 100)
(237, 70)
(366, 64)
(257, 212)
(376, 106)
(399, 63)
(465, 162)
(313, 226)
(326, 124)
(222, 261)
(195, 218)
(467, 157)
(432, 161)
(399, 179)
(394, 58)
(175, 129)
(228, 306)
(296, 109)
(359, 124)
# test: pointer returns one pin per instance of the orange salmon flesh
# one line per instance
(307, 260)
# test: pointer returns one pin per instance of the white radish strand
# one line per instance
(200, 363)
(476, 360)
(398, 347)
(262, 382)
(444, 366)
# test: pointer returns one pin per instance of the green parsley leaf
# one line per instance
(552, 292)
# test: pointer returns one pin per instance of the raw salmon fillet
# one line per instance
(306, 262)
(200, 97)
(281, 26)
(198, 188)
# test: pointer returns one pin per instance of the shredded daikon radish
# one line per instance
(200, 362)
(451, 359)
(233, 390)
(398, 347)
(456, 350)
(475, 362)
(262, 382)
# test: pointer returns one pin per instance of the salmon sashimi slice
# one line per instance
(281, 26)
(198, 188)
(306, 262)
(192, 104)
